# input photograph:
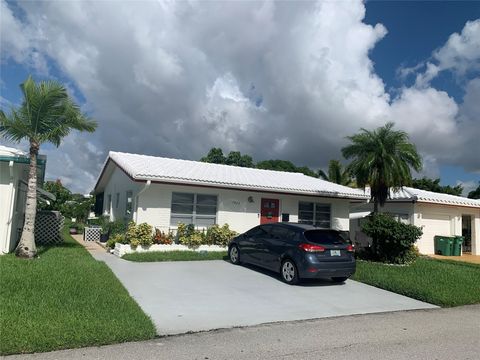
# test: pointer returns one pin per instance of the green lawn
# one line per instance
(175, 256)
(443, 283)
(65, 299)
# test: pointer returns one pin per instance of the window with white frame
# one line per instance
(314, 213)
(128, 203)
(197, 209)
(109, 204)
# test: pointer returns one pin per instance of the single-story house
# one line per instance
(436, 213)
(164, 192)
(13, 190)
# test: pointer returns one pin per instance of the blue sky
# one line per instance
(159, 87)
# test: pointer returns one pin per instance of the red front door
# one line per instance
(269, 211)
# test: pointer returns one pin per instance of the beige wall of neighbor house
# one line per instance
(438, 219)
(434, 219)
(238, 208)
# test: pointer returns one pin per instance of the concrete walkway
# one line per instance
(203, 295)
(441, 334)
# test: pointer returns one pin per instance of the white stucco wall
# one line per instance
(119, 183)
(449, 219)
(233, 206)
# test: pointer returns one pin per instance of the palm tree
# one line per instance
(336, 174)
(47, 114)
(382, 159)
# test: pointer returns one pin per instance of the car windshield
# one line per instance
(324, 237)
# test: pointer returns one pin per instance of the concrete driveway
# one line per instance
(204, 295)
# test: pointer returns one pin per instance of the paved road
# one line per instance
(204, 295)
(420, 334)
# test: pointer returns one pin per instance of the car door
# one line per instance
(276, 245)
(249, 244)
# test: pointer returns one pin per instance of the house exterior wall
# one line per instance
(12, 208)
(119, 183)
(233, 206)
(449, 220)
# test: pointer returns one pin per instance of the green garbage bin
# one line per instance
(457, 245)
(443, 245)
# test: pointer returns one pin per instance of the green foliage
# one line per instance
(217, 235)
(382, 159)
(117, 238)
(194, 240)
(139, 234)
(153, 256)
(475, 194)
(162, 237)
(285, 165)
(215, 156)
(62, 195)
(434, 185)
(115, 227)
(237, 159)
(337, 174)
(393, 242)
(47, 114)
(439, 282)
(65, 299)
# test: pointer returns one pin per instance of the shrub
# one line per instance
(163, 238)
(115, 227)
(393, 242)
(184, 231)
(193, 240)
(117, 238)
(217, 235)
(144, 234)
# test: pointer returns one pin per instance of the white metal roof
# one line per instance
(9, 151)
(411, 194)
(143, 167)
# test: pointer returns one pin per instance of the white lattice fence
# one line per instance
(48, 227)
(92, 234)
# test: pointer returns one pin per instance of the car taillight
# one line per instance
(350, 248)
(311, 248)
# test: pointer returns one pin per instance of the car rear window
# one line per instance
(323, 237)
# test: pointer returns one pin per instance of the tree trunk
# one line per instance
(375, 206)
(26, 247)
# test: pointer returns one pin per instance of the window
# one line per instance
(128, 203)
(314, 213)
(197, 209)
(324, 237)
(402, 218)
(109, 204)
(117, 200)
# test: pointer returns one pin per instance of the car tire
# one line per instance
(289, 272)
(234, 255)
(339, 279)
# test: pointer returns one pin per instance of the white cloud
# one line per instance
(273, 79)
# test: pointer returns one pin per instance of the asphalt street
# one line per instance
(418, 334)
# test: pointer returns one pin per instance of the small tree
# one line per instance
(47, 115)
(382, 159)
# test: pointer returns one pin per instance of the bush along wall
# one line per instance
(393, 242)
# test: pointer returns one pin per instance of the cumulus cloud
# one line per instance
(284, 80)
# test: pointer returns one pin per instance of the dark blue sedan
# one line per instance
(296, 251)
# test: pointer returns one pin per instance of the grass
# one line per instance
(65, 299)
(175, 256)
(439, 282)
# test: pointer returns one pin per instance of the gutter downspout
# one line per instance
(147, 185)
(10, 213)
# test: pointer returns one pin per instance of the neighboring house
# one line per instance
(436, 213)
(164, 192)
(13, 189)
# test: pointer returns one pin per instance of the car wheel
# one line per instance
(339, 279)
(234, 255)
(289, 272)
